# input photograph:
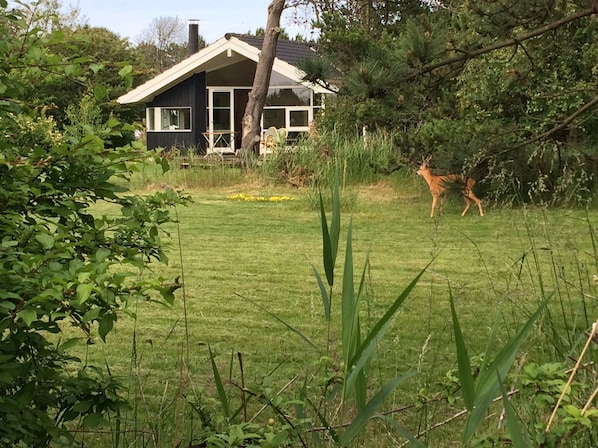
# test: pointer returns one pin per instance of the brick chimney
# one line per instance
(193, 45)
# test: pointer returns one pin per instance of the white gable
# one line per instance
(220, 54)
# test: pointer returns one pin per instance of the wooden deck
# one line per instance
(211, 160)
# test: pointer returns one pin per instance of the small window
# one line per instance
(274, 118)
(299, 118)
(169, 119)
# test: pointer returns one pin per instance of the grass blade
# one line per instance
(324, 421)
(488, 385)
(349, 313)
(324, 295)
(413, 441)
(361, 382)
(330, 236)
(369, 411)
(293, 329)
(464, 366)
(511, 418)
(327, 252)
(335, 220)
(219, 386)
(365, 350)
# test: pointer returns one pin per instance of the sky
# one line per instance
(129, 18)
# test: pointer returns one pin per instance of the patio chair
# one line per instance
(272, 140)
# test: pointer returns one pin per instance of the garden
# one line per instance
(307, 299)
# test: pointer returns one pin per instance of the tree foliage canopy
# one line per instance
(66, 275)
(506, 90)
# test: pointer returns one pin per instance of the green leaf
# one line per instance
(82, 406)
(464, 366)
(279, 438)
(219, 386)
(92, 314)
(349, 308)
(126, 70)
(24, 396)
(28, 315)
(105, 326)
(511, 418)
(369, 411)
(93, 420)
(100, 92)
(328, 259)
(335, 221)
(72, 342)
(324, 295)
(102, 254)
(84, 291)
(95, 68)
(488, 384)
(46, 240)
(163, 163)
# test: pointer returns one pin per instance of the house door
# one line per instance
(221, 129)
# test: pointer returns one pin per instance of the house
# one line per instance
(199, 103)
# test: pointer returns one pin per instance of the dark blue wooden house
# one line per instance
(199, 103)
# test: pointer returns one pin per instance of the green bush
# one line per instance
(61, 267)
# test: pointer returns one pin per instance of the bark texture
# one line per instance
(257, 97)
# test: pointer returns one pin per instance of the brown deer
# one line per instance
(440, 185)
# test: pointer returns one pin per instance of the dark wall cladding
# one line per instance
(170, 140)
(189, 93)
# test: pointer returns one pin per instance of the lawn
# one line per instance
(243, 261)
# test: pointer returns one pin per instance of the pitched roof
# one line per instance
(220, 54)
(289, 51)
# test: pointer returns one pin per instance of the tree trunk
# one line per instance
(257, 97)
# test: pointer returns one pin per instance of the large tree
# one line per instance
(259, 92)
(163, 43)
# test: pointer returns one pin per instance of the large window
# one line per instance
(291, 108)
(169, 119)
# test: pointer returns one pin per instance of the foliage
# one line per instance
(355, 397)
(61, 266)
(514, 116)
(338, 402)
(100, 56)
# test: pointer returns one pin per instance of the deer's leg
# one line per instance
(480, 207)
(475, 199)
(471, 195)
(441, 204)
(434, 199)
(467, 205)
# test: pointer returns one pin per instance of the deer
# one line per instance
(440, 185)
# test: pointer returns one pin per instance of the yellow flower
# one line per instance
(245, 197)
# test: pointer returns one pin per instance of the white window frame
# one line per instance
(154, 115)
(310, 117)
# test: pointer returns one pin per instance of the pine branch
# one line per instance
(507, 43)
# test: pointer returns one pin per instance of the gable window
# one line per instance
(288, 96)
(169, 119)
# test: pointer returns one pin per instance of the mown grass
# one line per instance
(501, 266)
